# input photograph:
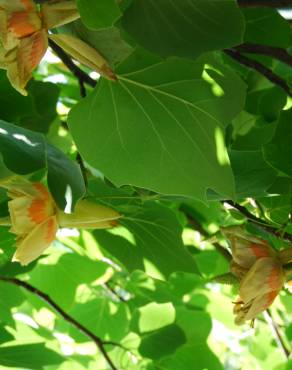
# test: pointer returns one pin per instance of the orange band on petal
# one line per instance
(23, 23)
(260, 250)
(51, 230)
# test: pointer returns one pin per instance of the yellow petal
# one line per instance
(84, 53)
(31, 204)
(265, 276)
(89, 215)
(29, 54)
(246, 249)
(59, 12)
(39, 239)
(260, 304)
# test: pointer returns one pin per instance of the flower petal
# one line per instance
(247, 249)
(265, 276)
(89, 215)
(59, 12)
(39, 239)
(29, 53)
(84, 54)
(258, 305)
(17, 5)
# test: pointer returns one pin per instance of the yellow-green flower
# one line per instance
(260, 270)
(35, 218)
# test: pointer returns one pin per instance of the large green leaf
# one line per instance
(60, 281)
(104, 318)
(260, 21)
(26, 151)
(98, 14)
(28, 356)
(278, 152)
(184, 28)
(161, 124)
(155, 244)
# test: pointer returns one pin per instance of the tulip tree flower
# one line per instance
(35, 218)
(24, 36)
(261, 271)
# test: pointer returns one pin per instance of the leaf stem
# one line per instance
(97, 340)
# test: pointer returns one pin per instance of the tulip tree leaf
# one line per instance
(28, 356)
(26, 151)
(98, 14)
(35, 111)
(184, 28)
(161, 121)
(278, 152)
(156, 247)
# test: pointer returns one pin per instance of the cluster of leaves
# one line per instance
(193, 136)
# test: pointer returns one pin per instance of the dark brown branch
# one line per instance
(77, 72)
(271, 51)
(98, 341)
(276, 332)
(260, 68)
(265, 3)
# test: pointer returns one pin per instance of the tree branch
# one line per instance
(258, 221)
(276, 332)
(265, 3)
(260, 68)
(77, 72)
(98, 341)
(271, 51)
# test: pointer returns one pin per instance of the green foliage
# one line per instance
(185, 142)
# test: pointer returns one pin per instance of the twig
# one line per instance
(119, 297)
(197, 226)
(260, 68)
(265, 3)
(271, 51)
(98, 341)
(276, 332)
(77, 72)
(258, 221)
(82, 168)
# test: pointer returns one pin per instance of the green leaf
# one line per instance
(28, 356)
(35, 111)
(196, 357)
(186, 28)
(61, 281)
(10, 296)
(253, 176)
(153, 243)
(25, 151)
(153, 316)
(278, 152)
(5, 336)
(98, 14)
(259, 23)
(106, 319)
(162, 342)
(161, 124)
